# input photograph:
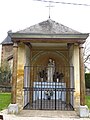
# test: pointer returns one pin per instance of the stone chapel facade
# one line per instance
(33, 47)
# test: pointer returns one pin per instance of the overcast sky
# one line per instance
(19, 14)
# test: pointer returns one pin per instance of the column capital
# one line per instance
(15, 44)
(81, 46)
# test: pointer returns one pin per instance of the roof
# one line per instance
(7, 40)
(48, 27)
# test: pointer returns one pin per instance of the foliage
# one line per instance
(5, 100)
(87, 80)
(88, 101)
(5, 73)
(87, 52)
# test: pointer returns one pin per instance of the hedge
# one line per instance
(87, 80)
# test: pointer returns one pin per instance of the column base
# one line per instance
(13, 109)
(84, 111)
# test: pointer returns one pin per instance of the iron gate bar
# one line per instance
(37, 91)
(63, 89)
(55, 89)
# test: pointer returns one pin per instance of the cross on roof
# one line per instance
(49, 7)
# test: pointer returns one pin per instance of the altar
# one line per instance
(49, 91)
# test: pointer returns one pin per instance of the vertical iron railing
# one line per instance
(55, 95)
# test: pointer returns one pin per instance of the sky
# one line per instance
(19, 14)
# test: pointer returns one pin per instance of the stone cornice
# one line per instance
(64, 38)
(34, 35)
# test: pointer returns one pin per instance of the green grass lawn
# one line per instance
(88, 101)
(5, 100)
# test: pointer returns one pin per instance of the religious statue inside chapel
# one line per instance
(50, 70)
(49, 79)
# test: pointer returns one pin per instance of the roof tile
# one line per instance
(49, 27)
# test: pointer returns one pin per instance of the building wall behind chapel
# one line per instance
(7, 51)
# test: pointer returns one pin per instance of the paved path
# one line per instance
(22, 116)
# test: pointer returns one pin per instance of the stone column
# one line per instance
(84, 111)
(82, 77)
(14, 75)
(76, 64)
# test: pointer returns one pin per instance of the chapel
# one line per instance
(47, 66)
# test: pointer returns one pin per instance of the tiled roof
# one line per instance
(46, 27)
(7, 40)
(49, 27)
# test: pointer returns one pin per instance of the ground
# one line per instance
(42, 114)
(50, 115)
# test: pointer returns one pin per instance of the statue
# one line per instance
(50, 70)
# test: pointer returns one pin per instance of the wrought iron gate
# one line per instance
(39, 93)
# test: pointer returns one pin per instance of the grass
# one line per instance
(88, 101)
(5, 100)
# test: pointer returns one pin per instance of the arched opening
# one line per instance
(49, 81)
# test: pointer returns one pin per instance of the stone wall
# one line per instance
(5, 88)
(20, 75)
(7, 51)
(23, 59)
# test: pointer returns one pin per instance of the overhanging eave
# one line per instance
(22, 35)
(63, 37)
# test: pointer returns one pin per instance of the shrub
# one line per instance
(87, 80)
(5, 74)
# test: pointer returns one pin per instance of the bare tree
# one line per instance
(87, 53)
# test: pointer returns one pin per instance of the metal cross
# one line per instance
(49, 7)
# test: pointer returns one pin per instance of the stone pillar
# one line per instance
(82, 77)
(84, 111)
(14, 75)
(13, 107)
(75, 61)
